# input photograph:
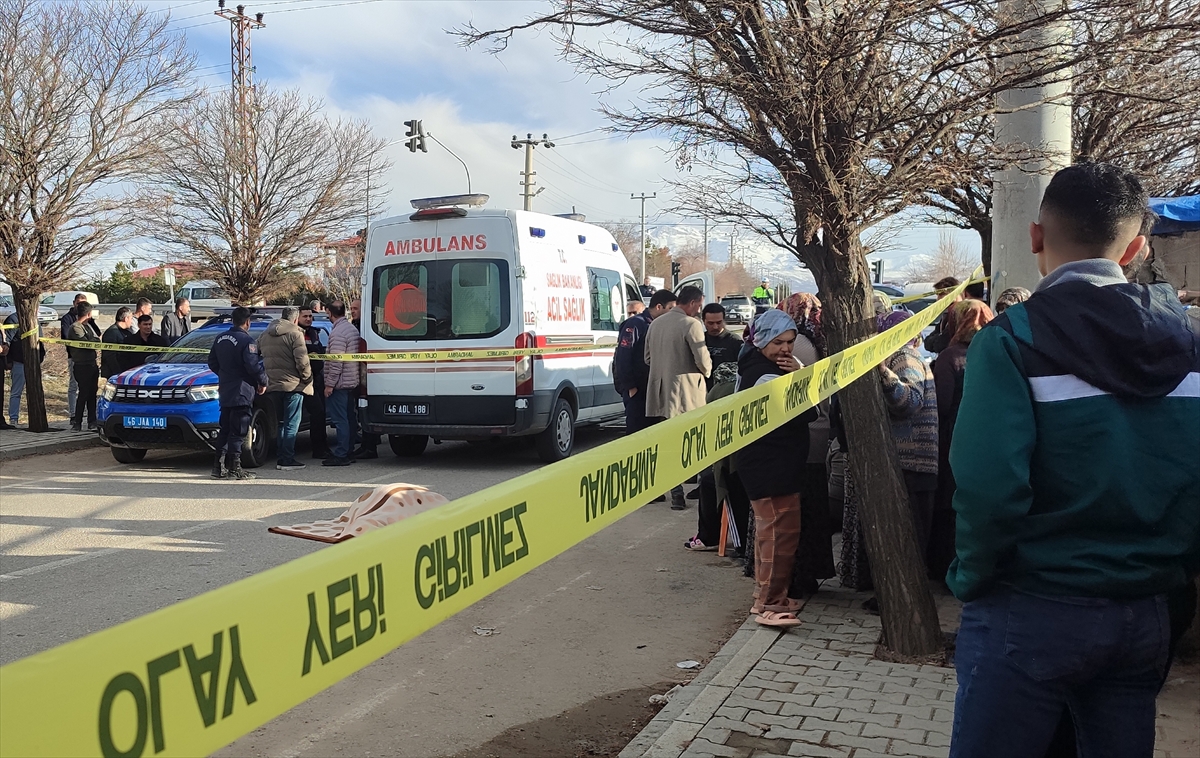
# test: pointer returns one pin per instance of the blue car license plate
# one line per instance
(145, 422)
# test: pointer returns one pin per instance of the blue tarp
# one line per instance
(1176, 214)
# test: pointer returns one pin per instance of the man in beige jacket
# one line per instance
(679, 363)
(289, 379)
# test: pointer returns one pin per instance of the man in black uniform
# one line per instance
(630, 372)
(240, 374)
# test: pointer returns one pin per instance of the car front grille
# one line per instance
(136, 394)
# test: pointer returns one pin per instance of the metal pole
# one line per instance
(1033, 140)
(529, 174)
(706, 244)
(643, 197)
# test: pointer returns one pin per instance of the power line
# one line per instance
(584, 171)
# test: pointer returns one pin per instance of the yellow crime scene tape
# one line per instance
(193, 677)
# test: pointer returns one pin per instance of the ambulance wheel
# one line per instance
(128, 454)
(557, 441)
(259, 442)
(408, 445)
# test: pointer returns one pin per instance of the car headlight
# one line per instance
(203, 392)
(110, 391)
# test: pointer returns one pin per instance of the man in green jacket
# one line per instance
(1078, 498)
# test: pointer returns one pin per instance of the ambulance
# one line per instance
(457, 276)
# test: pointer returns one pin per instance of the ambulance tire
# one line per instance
(558, 440)
(408, 445)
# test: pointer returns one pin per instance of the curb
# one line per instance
(48, 447)
(677, 724)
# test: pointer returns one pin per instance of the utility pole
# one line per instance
(705, 243)
(732, 237)
(529, 143)
(240, 26)
(643, 197)
(1033, 137)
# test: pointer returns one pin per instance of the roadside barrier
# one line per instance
(193, 677)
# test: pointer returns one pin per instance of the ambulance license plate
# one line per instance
(406, 409)
(145, 422)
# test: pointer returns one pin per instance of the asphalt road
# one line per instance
(86, 543)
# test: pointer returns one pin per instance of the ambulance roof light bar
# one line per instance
(449, 201)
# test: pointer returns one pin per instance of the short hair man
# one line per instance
(235, 360)
(341, 381)
(630, 372)
(143, 308)
(144, 336)
(679, 365)
(723, 346)
(64, 329)
(314, 305)
(83, 365)
(177, 323)
(1072, 530)
(113, 362)
(289, 380)
(318, 429)
(633, 308)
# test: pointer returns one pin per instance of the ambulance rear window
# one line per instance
(441, 300)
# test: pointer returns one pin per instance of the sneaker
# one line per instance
(76, 428)
(93, 427)
(293, 466)
(659, 499)
(364, 455)
(336, 462)
(694, 494)
(319, 455)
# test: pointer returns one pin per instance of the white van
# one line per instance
(204, 296)
(449, 277)
(61, 301)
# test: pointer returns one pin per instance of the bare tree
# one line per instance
(1138, 108)
(306, 180)
(814, 120)
(626, 234)
(83, 89)
(951, 258)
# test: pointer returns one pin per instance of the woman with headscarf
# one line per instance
(948, 372)
(772, 471)
(814, 557)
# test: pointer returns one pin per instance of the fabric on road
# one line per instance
(86, 543)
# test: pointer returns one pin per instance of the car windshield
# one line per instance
(735, 301)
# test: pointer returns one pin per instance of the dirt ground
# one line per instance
(602, 727)
(1178, 724)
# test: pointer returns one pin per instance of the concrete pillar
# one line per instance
(1033, 140)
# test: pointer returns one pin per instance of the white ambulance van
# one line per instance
(457, 276)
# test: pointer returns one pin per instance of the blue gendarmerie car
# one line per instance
(171, 402)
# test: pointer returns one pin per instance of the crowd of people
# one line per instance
(1030, 450)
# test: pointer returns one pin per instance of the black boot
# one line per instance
(218, 469)
(233, 464)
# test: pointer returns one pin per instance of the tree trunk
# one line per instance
(35, 397)
(910, 622)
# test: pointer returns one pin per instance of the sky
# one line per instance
(389, 61)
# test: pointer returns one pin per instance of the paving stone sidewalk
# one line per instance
(17, 443)
(811, 691)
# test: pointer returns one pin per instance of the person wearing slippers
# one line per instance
(772, 470)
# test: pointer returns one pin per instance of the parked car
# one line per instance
(46, 314)
(171, 401)
(889, 290)
(738, 309)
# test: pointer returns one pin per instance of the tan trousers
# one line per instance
(777, 535)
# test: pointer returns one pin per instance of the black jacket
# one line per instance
(234, 359)
(629, 359)
(16, 345)
(723, 348)
(312, 341)
(111, 361)
(773, 464)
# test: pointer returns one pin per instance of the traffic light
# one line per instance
(674, 273)
(416, 136)
(877, 271)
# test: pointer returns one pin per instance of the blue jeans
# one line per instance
(17, 386)
(1022, 659)
(345, 421)
(287, 410)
